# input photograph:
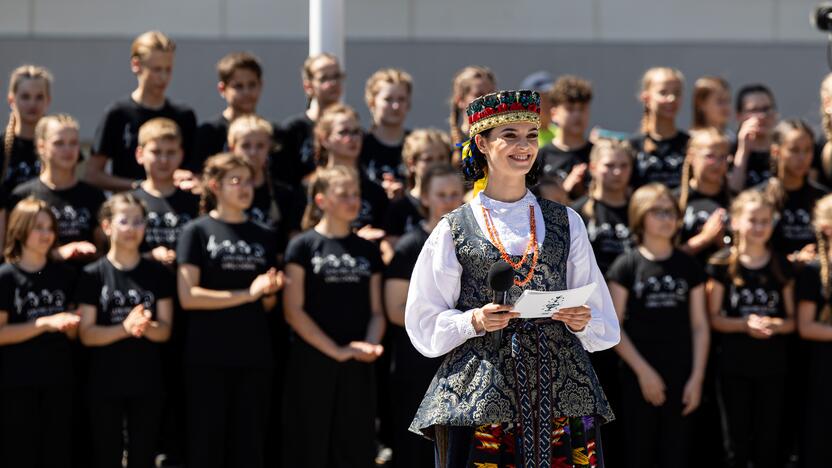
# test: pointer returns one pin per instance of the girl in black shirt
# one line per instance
(126, 307)
(333, 304)
(422, 149)
(604, 208)
(751, 303)
(756, 115)
(703, 195)
(659, 294)
(74, 203)
(813, 294)
(411, 373)
(29, 97)
(227, 281)
(792, 150)
(37, 324)
(338, 143)
(660, 145)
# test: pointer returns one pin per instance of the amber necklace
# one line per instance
(530, 247)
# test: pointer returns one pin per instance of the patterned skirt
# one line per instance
(575, 443)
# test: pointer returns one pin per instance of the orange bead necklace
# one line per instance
(530, 247)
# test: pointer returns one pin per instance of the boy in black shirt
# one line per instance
(567, 156)
(387, 95)
(116, 136)
(240, 84)
(757, 116)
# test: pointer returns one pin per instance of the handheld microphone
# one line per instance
(500, 280)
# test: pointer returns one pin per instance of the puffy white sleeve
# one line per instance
(434, 326)
(602, 331)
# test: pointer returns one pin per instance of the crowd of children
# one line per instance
(231, 292)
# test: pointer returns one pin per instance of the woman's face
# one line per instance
(30, 101)
(710, 162)
(60, 149)
(510, 149)
(612, 170)
(664, 96)
(344, 139)
(341, 201)
(326, 83)
(717, 109)
(235, 190)
(391, 104)
(444, 195)
(126, 228)
(796, 150)
(754, 224)
(429, 155)
(42, 237)
(661, 220)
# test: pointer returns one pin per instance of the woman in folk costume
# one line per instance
(526, 396)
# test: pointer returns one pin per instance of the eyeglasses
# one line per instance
(238, 182)
(663, 213)
(349, 132)
(122, 223)
(760, 110)
(331, 77)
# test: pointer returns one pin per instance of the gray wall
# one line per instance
(92, 72)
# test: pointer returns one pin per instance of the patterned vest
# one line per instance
(538, 372)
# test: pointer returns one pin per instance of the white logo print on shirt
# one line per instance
(238, 255)
(342, 268)
(36, 304)
(121, 304)
(665, 291)
(757, 301)
(797, 224)
(614, 239)
(164, 228)
(71, 222)
(661, 169)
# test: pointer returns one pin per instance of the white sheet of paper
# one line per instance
(542, 304)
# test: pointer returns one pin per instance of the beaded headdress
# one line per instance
(494, 110)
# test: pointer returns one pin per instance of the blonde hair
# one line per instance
(245, 125)
(823, 217)
(159, 128)
(651, 76)
(322, 180)
(324, 125)
(704, 88)
(698, 138)
(642, 201)
(775, 189)
(151, 41)
(21, 223)
(460, 86)
(745, 199)
(44, 124)
(602, 147)
(826, 124)
(23, 72)
(307, 71)
(389, 76)
(419, 140)
(216, 167)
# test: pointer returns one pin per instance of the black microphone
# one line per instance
(500, 280)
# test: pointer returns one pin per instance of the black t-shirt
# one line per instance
(555, 161)
(229, 256)
(794, 229)
(23, 164)
(47, 358)
(407, 362)
(809, 287)
(664, 164)
(337, 274)
(374, 203)
(286, 219)
(700, 208)
(404, 215)
(75, 208)
(657, 318)
(131, 366)
(761, 293)
(211, 138)
(379, 158)
(117, 134)
(296, 158)
(608, 230)
(166, 216)
(759, 167)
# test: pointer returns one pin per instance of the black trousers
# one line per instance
(37, 427)
(329, 411)
(228, 412)
(143, 418)
(753, 409)
(654, 436)
(409, 450)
